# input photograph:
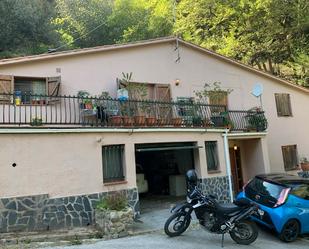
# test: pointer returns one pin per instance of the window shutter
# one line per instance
(163, 93)
(218, 98)
(290, 159)
(53, 86)
(6, 87)
(283, 104)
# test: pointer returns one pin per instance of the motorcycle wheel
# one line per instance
(176, 224)
(245, 232)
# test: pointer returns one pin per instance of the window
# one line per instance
(301, 190)
(147, 91)
(28, 85)
(212, 155)
(113, 163)
(283, 104)
(289, 153)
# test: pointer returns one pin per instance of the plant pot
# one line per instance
(115, 120)
(88, 106)
(162, 122)
(140, 120)
(177, 122)
(151, 121)
(207, 123)
(304, 166)
(197, 121)
(127, 121)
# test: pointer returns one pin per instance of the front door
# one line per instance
(236, 169)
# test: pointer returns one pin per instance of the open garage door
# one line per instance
(161, 167)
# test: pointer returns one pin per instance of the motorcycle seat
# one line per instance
(228, 208)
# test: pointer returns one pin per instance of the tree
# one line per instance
(133, 20)
(83, 23)
(25, 27)
(268, 34)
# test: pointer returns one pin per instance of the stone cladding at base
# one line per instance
(217, 186)
(39, 213)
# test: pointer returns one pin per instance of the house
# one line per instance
(61, 153)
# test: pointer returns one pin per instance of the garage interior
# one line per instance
(161, 168)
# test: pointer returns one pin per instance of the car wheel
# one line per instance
(290, 231)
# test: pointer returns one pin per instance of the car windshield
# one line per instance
(263, 192)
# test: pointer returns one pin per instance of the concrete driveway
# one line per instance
(195, 239)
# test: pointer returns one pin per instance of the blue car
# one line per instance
(284, 200)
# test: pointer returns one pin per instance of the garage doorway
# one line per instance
(160, 171)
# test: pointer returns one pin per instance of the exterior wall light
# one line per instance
(235, 147)
(177, 82)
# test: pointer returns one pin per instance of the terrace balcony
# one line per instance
(37, 111)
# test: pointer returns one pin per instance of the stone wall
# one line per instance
(217, 186)
(35, 213)
(114, 224)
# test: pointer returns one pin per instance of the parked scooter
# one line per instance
(214, 217)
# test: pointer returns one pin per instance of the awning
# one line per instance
(169, 148)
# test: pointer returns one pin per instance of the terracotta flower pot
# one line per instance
(127, 121)
(151, 121)
(304, 166)
(140, 120)
(162, 122)
(115, 120)
(177, 122)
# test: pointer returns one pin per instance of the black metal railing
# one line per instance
(66, 111)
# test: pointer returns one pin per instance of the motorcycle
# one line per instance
(214, 217)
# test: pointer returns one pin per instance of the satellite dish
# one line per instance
(257, 90)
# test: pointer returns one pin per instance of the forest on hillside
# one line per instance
(272, 35)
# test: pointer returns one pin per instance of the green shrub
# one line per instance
(117, 201)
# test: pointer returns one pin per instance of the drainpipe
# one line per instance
(228, 163)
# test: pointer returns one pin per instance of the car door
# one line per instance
(301, 192)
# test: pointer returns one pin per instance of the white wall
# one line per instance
(156, 64)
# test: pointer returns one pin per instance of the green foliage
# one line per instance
(269, 34)
(257, 120)
(26, 27)
(76, 241)
(83, 94)
(36, 121)
(213, 91)
(116, 201)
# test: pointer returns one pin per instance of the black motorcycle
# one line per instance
(214, 217)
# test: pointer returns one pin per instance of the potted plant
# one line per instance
(256, 119)
(197, 121)
(164, 113)
(36, 121)
(140, 92)
(208, 123)
(304, 163)
(113, 215)
(149, 111)
(126, 113)
(177, 121)
(83, 95)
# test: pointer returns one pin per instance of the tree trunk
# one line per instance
(271, 69)
(264, 67)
